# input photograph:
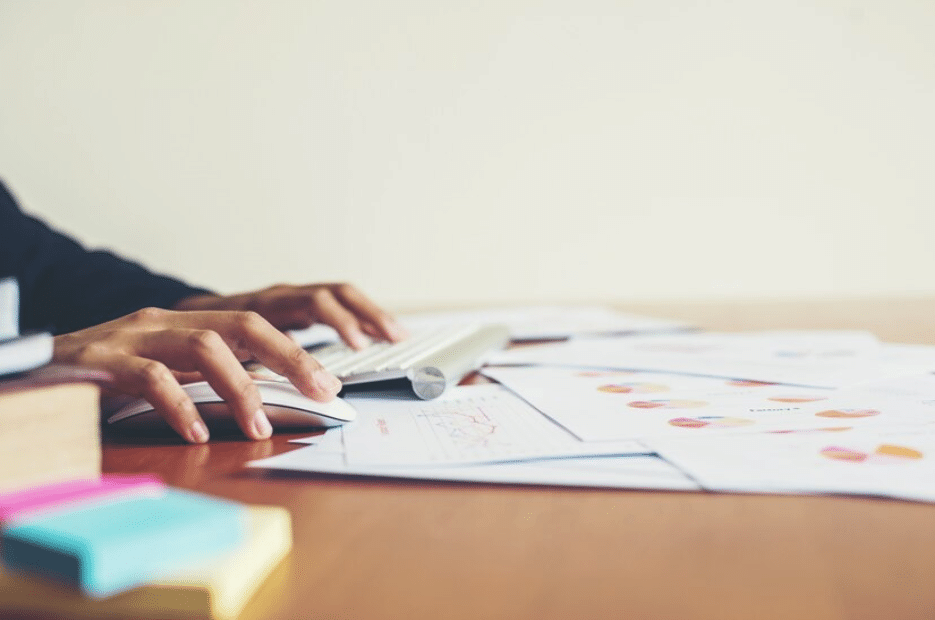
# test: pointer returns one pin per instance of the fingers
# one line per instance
(328, 309)
(250, 336)
(350, 312)
(373, 319)
(187, 377)
(150, 351)
(205, 351)
(153, 381)
(342, 306)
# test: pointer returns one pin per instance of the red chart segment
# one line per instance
(748, 383)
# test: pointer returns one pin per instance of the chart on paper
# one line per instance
(494, 427)
(475, 425)
(888, 462)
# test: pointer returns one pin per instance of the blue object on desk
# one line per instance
(113, 546)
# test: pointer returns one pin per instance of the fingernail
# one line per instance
(261, 424)
(359, 341)
(198, 432)
(397, 332)
(327, 381)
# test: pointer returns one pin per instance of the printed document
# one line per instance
(471, 424)
(619, 405)
(825, 359)
(897, 463)
(620, 472)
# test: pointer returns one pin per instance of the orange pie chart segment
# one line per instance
(899, 452)
(710, 421)
(794, 398)
(667, 404)
(847, 413)
(633, 388)
(827, 429)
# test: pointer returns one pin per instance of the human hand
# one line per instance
(286, 306)
(151, 352)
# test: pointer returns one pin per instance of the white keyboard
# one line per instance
(429, 361)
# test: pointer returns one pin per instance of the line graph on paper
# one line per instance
(471, 424)
(469, 427)
(488, 428)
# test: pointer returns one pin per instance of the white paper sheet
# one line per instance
(331, 440)
(608, 405)
(524, 322)
(548, 322)
(472, 424)
(884, 462)
(623, 472)
(827, 359)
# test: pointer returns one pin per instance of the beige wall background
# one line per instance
(441, 153)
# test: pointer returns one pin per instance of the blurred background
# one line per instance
(455, 154)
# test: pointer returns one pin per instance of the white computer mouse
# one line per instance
(285, 406)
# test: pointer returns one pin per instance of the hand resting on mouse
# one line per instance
(285, 406)
(151, 352)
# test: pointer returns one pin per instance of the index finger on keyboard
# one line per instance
(373, 319)
(329, 310)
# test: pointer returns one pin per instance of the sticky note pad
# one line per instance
(223, 586)
(218, 588)
(108, 547)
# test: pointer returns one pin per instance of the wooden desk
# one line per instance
(372, 549)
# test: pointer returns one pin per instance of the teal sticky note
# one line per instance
(112, 546)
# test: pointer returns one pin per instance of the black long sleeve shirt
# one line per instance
(65, 287)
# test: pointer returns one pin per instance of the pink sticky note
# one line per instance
(71, 494)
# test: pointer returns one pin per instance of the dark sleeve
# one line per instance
(64, 287)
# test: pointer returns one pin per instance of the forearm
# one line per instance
(64, 287)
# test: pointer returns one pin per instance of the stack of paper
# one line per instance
(783, 411)
(476, 433)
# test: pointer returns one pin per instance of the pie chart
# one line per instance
(633, 388)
